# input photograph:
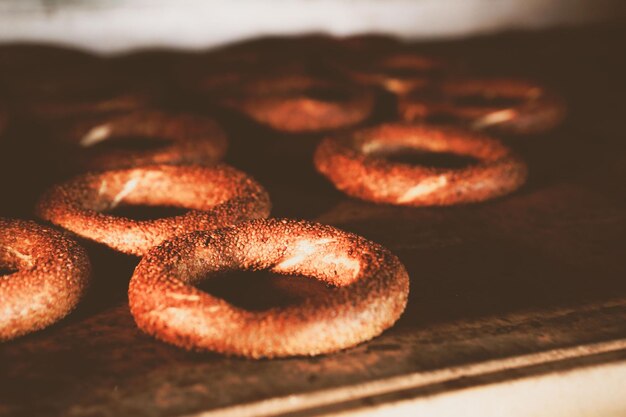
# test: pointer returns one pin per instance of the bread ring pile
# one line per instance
(345, 91)
(51, 275)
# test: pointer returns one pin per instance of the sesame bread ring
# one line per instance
(398, 73)
(215, 196)
(298, 104)
(83, 105)
(371, 290)
(178, 139)
(353, 166)
(507, 106)
(51, 275)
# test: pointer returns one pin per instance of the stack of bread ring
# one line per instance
(321, 86)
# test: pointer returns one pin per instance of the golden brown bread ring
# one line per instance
(351, 164)
(62, 107)
(215, 196)
(301, 104)
(52, 274)
(529, 108)
(371, 294)
(189, 139)
(398, 73)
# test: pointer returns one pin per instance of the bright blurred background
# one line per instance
(118, 25)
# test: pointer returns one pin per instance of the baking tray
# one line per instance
(516, 289)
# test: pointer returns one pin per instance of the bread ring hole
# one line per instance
(142, 212)
(130, 143)
(444, 119)
(6, 270)
(262, 290)
(420, 157)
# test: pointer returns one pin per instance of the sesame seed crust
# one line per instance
(216, 196)
(351, 164)
(52, 274)
(371, 290)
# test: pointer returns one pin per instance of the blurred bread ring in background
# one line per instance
(354, 164)
(371, 290)
(215, 197)
(398, 72)
(85, 104)
(50, 275)
(507, 106)
(103, 142)
(301, 104)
